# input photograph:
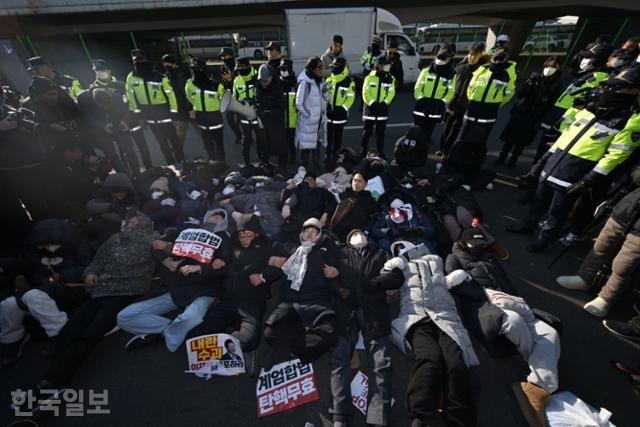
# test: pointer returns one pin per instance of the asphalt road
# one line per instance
(149, 387)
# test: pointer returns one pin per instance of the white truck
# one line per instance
(309, 33)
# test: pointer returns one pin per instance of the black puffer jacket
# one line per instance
(362, 214)
(411, 149)
(464, 72)
(360, 273)
(627, 211)
(484, 268)
(315, 289)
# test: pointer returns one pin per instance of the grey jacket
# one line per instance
(327, 58)
(124, 263)
(425, 294)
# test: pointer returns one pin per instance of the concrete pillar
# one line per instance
(517, 30)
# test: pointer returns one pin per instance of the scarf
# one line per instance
(296, 266)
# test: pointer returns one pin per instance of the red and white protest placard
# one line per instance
(196, 243)
(215, 354)
(286, 386)
(360, 391)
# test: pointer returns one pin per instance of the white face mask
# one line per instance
(439, 61)
(638, 59)
(549, 71)
(358, 241)
(284, 73)
(102, 75)
(52, 247)
(386, 68)
(228, 190)
(156, 195)
(585, 63)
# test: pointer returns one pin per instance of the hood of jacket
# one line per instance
(214, 228)
(117, 182)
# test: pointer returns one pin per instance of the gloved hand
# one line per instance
(286, 211)
(577, 189)
(455, 278)
(396, 262)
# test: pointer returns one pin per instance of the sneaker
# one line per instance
(532, 400)
(142, 340)
(575, 283)
(569, 239)
(598, 307)
(499, 251)
(12, 352)
(622, 329)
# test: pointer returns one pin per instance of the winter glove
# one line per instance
(286, 211)
(396, 262)
(455, 278)
(168, 202)
(577, 189)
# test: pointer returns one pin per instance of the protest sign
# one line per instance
(197, 244)
(286, 386)
(216, 354)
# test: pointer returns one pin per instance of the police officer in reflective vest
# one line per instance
(288, 84)
(342, 93)
(368, 62)
(204, 95)
(490, 88)
(150, 95)
(106, 80)
(433, 90)
(378, 90)
(244, 90)
(591, 73)
(600, 138)
(39, 67)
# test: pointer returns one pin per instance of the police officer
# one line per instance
(204, 95)
(106, 80)
(151, 96)
(501, 42)
(39, 67)
(598, 140)
(490, 88)
(178, 77)
(368, 62)
(342, 94)
(590, 74)
(288, 83)
(378, 91)
(244, 90)
(433, 89)
(274, 56)
(227, 73)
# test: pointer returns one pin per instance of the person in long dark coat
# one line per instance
(537, 94)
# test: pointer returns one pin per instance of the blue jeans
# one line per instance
(146, 317)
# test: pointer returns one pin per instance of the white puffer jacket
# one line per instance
(425, 294)
(309, 103)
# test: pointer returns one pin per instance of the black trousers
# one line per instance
(143, 148)
(549, 136)
(381, 126)
(248, 131)
(213, 143)
(439, 367)
(245, 317)
(167, 137)
(291, 144)
(426, 124)
(334, 139)
(82, 332)
(307, 340)
(271, 140)
(509, 147)
(450, 130)
(554, 205)
(234, 123)
(314, 153)
(128, 155)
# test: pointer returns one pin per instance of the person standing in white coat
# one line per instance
(310, 105)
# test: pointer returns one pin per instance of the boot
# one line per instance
(575, 283)
(531, 399)
(598, 307)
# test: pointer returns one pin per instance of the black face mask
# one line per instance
(609, 101)
(244, 71)
(375, 49)
(337, 70)
(142, 67)
(498, 66)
